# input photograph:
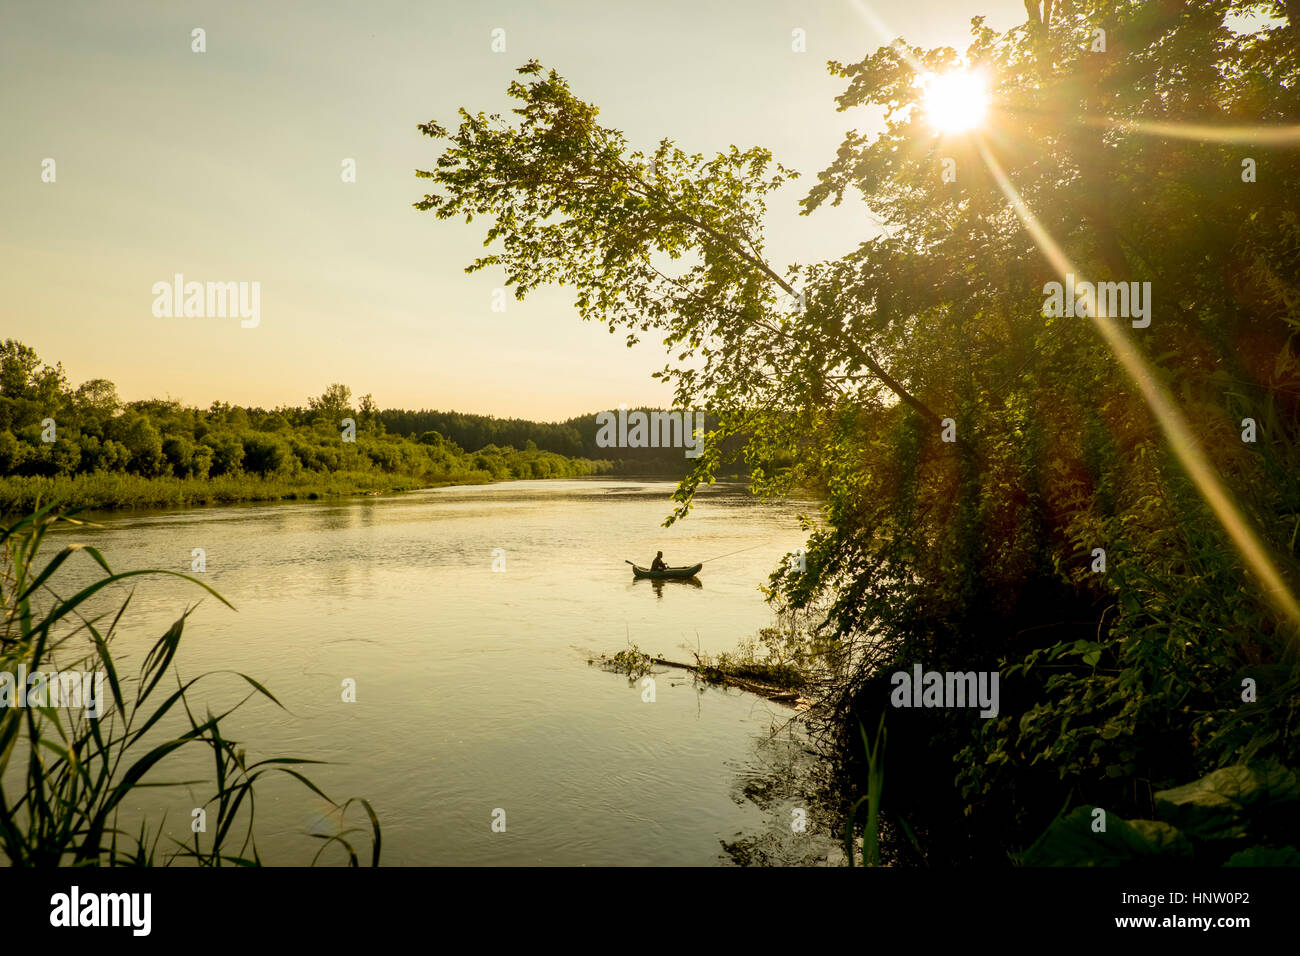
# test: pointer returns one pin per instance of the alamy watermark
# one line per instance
(653, 430)
(213, 300)
(130, 910)
(946, 689)
(70, 689)
(1126, 300)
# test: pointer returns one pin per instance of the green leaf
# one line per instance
(1071, 841)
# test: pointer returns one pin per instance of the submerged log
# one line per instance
(716, 676)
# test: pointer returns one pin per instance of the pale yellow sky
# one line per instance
(225, 166)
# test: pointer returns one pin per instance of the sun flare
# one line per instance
(955, 102)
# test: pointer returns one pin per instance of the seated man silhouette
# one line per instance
(658, 563)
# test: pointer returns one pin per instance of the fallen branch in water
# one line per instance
(635, 663)
(717, 675)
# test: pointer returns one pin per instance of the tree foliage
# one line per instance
(94, 433)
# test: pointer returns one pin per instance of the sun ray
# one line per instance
(1203, 132)
(1171, 421)
(888, 35)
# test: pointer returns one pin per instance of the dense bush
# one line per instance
(95, 434)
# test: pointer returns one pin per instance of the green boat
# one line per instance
(669, 573)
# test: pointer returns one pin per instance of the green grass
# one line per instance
(789, 656)
(21, 494)
(73, 773)
(875, 756)
(727, 668)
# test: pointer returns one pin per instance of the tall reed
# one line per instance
(875, 755)
(73, 772)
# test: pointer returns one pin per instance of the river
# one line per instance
(473, 691)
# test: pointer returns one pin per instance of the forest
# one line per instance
(574, 437)
(84, 446)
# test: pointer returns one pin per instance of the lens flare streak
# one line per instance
(1202, 132)
(1171, 421)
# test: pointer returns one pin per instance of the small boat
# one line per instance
(674, 573)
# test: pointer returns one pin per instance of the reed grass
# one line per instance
(875, 755)
(78, 771)
(21, 494)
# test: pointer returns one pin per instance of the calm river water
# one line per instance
(473, 688)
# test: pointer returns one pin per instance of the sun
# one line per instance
(955, 102)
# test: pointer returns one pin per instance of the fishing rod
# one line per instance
(730, 553)
(716, 557)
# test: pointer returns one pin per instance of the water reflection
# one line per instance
(660, 583)
(472, 692)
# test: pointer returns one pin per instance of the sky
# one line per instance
(226, 165)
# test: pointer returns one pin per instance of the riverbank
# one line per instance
(110, 492)
(19, 493)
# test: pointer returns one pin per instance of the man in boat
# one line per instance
(658, 563)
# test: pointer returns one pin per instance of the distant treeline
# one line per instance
(575, 437)
(51, 430)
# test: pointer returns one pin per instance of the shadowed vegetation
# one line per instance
(68, 775)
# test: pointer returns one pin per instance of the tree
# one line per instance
(575, 206)
(10, 453)
(266, 454)
(22, 374)
(145, 446)
(332, 405)
(179, 452)
(227, 453)
(30, 391)
(96, 401)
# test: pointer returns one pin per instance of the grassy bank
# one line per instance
(19, 493)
